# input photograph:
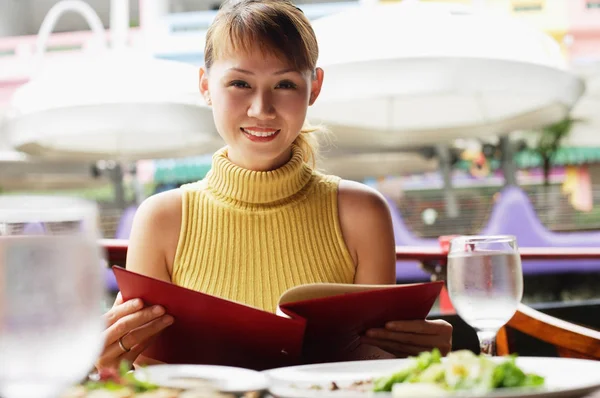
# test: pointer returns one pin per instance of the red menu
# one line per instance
(314, 323)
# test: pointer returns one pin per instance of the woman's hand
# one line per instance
(130, 328)
(409, 338)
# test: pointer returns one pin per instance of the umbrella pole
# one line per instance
(138, 187)
(116, 176)
(508, 165)
(443, 152)
(151, 12)
(119, 23)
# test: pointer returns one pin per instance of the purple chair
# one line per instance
(514, 214)
(125, 223)
(110, 282)
(34, 228)
(407, 271)
(123, 232)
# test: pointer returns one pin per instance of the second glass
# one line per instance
(485, 283)
(51, 292)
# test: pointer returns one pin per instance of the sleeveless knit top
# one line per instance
(248, 236)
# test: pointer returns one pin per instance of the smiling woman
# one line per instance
(248, 70)
(263, 220)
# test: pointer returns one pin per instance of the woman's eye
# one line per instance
(287, 85)
(239, 84)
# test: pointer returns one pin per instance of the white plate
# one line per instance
(224, 378)
(565, 377)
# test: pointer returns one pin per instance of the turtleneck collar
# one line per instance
(234, 183)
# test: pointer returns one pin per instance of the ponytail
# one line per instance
(308, 142)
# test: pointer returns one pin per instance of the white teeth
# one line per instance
(260, 133)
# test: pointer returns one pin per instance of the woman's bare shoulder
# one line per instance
(355, 198)
(163, 205)
(362, 209)
(155, 234)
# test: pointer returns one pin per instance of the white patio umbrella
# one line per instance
(20, 172)
(111, 104)
(411, 74)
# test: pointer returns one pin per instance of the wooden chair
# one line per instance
(571, 340)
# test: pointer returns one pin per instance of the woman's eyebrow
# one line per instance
(284, 71)
(279, 72)
(241, 70)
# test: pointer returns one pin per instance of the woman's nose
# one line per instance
(262, 107)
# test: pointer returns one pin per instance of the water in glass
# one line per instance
(485, 283)
(484, 289)
(51, 294)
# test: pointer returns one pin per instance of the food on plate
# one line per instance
(360, 386)
(429, 375)
(112, 383)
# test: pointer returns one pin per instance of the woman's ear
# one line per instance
(203, 79)
(317, 83)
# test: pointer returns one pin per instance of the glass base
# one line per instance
(487, 342)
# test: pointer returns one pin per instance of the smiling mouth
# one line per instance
(260, 133)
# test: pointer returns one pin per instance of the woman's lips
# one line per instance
(258, 134)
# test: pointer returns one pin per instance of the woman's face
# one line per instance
(259, 106)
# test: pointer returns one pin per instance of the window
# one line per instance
(6, 53)
(528, 5)
(593, 4)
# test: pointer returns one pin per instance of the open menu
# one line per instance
(314, 322)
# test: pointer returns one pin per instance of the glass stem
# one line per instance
(487, 342)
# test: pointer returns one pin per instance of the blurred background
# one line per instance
(470, 116)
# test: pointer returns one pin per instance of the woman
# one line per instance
(262, 220)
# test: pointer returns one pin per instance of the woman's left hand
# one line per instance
(409, 338)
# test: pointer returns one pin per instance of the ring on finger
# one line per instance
(123, 346)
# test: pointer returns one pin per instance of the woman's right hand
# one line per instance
(130, 328)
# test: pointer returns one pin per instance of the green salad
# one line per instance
(460, 371)
(113, 379)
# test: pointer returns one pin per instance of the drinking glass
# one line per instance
(485, 283)
(51, 292)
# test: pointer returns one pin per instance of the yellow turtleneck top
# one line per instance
(248, 236)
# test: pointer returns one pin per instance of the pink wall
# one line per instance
(584, 30)
(583, 18)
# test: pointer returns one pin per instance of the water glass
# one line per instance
(51, 292)
(485, 283)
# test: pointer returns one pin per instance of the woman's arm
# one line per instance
(368, 232)
(131, 326)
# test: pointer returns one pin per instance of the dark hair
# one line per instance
(276, 26)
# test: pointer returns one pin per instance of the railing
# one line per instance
(110, 217)
(552, 207)
(116, 250)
